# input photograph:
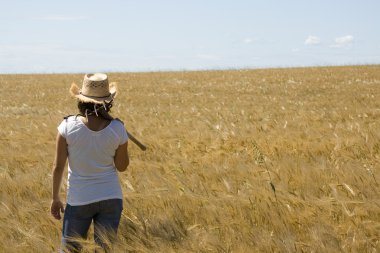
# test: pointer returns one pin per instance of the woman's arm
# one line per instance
(121, 157)
(58, 168)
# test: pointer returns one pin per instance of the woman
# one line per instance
(96, 146)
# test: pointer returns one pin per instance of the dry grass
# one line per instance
(214, 141)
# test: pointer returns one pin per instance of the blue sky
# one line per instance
(88, 36)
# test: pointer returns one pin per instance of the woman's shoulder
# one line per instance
(69, 119)
(117, 123)
(118, 127)
(67, 124)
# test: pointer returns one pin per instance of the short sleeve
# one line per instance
(124, 135)
(62, 128)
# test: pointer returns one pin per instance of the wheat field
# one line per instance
(270, 160)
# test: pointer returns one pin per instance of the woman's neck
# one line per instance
(95, 123)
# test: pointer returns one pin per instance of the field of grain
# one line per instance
(217, 143)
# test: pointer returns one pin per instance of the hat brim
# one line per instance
(76, 92)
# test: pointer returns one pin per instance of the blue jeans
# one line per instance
(77, 220)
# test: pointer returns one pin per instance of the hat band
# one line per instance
(95, 96)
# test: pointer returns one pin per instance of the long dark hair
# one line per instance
(89, 108)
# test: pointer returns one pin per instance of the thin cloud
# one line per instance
(248, 40)
(62, 18)
(207, 57)
(343, 42)
(312, 40)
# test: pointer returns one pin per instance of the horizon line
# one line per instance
(169, 70)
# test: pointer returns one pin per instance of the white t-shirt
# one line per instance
(92, 173)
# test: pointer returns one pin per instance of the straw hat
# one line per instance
(95, 89)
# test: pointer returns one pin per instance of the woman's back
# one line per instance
(92, 172)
